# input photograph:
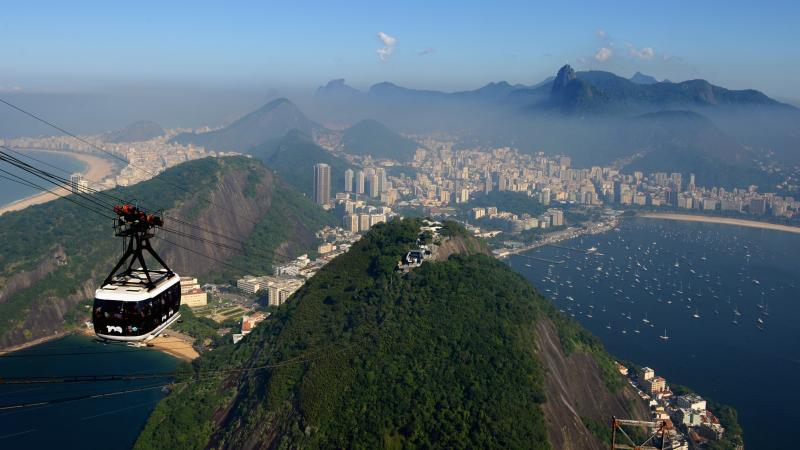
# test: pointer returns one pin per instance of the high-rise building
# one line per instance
(322, 183)
(487, 187)
(350, 223)
(78, 183)
(348, 180)
(374, 185)
(360, 178)
(381, 172)
(502, 183)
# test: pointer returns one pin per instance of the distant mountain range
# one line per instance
(591, 115)
(596, 117)
(142, 130)
(571, 92)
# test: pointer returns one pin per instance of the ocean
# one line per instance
(11, 191)
(726, 296)
(106, 423)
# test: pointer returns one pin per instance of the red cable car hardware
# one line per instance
(136, 302)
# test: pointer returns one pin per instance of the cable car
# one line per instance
(136, 302)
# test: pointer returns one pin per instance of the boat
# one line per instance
(664, 337)
(696, 315)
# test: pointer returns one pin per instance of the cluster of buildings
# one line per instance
(445, 176)
(688, 418)
(288, 277)
(367, 183)
(662, 189)
(357, 216)
(278, 288)
(553, 217)
(146, 158)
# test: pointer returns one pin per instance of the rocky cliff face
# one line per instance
(575, 390)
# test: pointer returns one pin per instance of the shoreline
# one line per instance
(35, 342)
(720, 220)
(97, 168)
(176, 345)
(563, 235)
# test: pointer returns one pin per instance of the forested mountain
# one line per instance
(293, 157)
(458, 353)
(142, 130)
(53, 255)
(271, 121)
(370, 137)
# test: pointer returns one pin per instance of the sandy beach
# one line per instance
(722, 220)
(96, 169)
(175, 344)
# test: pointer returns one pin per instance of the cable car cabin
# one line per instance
(125, 309)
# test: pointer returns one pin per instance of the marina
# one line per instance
(683, 295)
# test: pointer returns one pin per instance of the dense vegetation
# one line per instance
(293, 157)
(369, 358)
(33, 236)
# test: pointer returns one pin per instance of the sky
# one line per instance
(80, 46)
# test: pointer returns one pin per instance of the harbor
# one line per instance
(680, 296)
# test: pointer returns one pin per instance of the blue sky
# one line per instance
(442, 45)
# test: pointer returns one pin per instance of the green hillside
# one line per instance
(363, 357)
(293, 157)
(370, 137)
(37, 291)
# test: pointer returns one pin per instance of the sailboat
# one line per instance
(696, 315)
(664, 337)
(645, 320)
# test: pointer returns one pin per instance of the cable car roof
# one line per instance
(134, 289)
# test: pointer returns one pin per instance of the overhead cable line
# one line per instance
(112, 154)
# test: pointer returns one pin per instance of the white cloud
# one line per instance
(601, 34)
(385, 52)
(603, 54)
(644, 53)
(10, 88)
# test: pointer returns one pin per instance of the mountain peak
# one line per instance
(337, 86)
(640, 78)
(563, 77)
(142, 130)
